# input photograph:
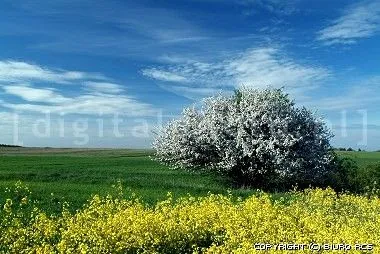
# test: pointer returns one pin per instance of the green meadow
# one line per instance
(73, 175)
(362, 158)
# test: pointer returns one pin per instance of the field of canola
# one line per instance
(210, 224)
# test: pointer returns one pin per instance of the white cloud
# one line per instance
(16, 71)
(91, 104)
(268, 66)
(163, 75)
(23, 80)
(104, 87)
(258, 67)
(358, 21)
(35, 94)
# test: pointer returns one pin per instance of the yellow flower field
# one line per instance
(312, 220)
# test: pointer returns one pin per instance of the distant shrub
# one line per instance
(368, 178)
(256, 137)
(343, 174)
(346, 175)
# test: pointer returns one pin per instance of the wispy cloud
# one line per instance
(358, 21)
(163, 75)
(162, 25)
(16, 71)
(35, 94)
(140, 28)
(258, 67)
(104, 87)
(278, 7)
(270, 66)
(273, 6)
(23, 80)
(90, 104)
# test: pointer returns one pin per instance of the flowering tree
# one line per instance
(256, 137)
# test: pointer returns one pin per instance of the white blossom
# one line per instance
(256, 137)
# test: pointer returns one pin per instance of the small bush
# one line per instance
(346, 175)
(343, 175)
(368, 178)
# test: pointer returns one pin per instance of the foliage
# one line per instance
(347, 175)
(368, 178)
(256, 137)
(5, 145)
(343, 175)
(211, 224)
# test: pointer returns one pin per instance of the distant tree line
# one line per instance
(4, 145)
(349, 149)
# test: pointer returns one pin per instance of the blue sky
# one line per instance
(70, 70)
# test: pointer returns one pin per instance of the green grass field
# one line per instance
(73, 175)
(362, 158)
